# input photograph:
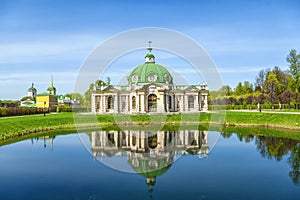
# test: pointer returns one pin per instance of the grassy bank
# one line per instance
(12, 127)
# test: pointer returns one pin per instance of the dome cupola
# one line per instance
(150, 72)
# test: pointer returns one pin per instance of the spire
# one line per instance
(149, 48)
(150, 57)
(51, 82)
(51, 89)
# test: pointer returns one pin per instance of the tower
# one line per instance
(150, 58)
(51, 89)
(31, 92)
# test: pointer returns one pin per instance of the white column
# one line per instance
(142, 103)
(93, 104)
(130, 105)
(143, 140)
(196, 103)
(116, 139)
(185, 102)
(205, 103)
(100, 103)
(115, 103)
(104, 103)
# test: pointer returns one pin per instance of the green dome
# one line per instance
(150, 72)
(51, 89)
(32, 89)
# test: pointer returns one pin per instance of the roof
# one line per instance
(46, 94)
(150, 72)
(27, 98)
(149, 55)
(51, 88)
(31, 89)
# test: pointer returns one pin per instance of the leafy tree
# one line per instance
(248, 87)
(239, 90)
(260, 79)
(271, 86)
(283, 79)
(226, 89)
(294, 59)
(286, 97)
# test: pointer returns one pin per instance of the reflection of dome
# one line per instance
(150, 168)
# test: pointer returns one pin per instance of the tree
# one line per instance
(271, 85)
(294, 59)
(283, 79)
(260, 79)
(248, 87)
(294, 162)
(226, 89)
(239, 90)
(286, 98)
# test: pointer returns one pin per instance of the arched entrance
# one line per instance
(152, 103)
(152, 140)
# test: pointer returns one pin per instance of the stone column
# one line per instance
(142, 103)
(104, 103)
(115, 103)
(93, 103)
(196, 102)
(128, 104)
(100, 103)
(166, 107)
(205, 103)
(116, 138)
(186, 107)
(186, 139)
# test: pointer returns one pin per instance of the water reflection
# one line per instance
(275, 148)
(149, 153)
(45, 139)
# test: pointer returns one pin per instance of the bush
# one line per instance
(6, 112)
(63, 109)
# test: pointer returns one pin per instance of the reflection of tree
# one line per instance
(294, 162)
(274, 147)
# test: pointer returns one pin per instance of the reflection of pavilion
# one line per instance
(149, 153)
(120, 143)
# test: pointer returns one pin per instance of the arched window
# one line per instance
(152, 103)
(191, 101)
(110, 102)
(170, 102)
(152, 140)
(133, 102)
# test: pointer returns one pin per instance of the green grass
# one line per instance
(276, 120)
(12, 127)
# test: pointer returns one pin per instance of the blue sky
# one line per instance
(43, 38)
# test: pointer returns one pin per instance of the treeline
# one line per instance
(272, 89)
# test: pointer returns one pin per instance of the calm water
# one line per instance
(238, 167)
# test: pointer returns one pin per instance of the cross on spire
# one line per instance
(149, 48)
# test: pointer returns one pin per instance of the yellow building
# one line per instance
(47, 99)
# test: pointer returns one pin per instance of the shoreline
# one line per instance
(32, 125)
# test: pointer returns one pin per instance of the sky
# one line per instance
(51, 37)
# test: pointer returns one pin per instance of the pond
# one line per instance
(135, 164)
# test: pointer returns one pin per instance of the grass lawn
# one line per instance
(31, 125)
